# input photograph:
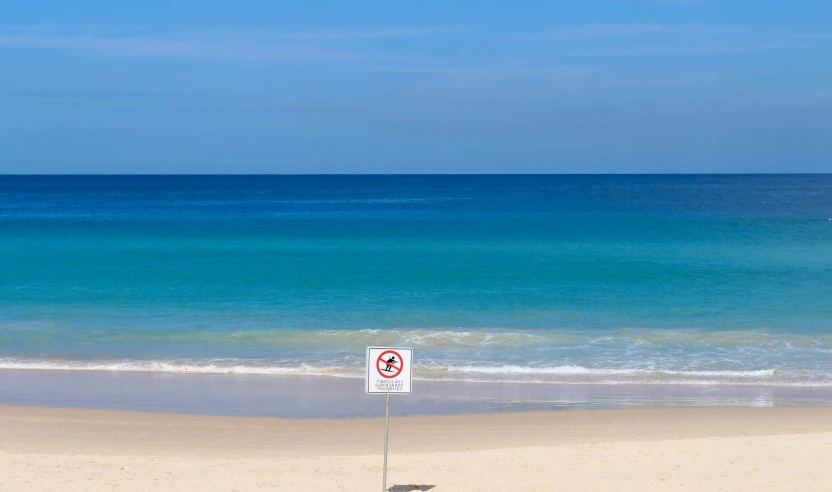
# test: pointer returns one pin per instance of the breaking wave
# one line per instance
(568, 374)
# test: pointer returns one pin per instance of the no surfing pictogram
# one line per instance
(389, 364)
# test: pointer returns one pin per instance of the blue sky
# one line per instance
(385, 87)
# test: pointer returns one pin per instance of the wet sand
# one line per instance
(329, 397)
(618, 450)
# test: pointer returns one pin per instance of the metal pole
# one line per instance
(386, 433)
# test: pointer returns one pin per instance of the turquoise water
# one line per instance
(643, 279)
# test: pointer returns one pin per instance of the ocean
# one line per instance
(682, 280)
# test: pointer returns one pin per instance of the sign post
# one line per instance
(389, 371)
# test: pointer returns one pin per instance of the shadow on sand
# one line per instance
(409, 488)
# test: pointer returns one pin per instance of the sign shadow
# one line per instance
(409, 488)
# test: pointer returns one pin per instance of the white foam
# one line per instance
(572, 369)
(536, 370)
(168, 367)
(564, 374)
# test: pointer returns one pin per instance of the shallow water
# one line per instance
(325, 397)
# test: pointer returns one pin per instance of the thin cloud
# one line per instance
(253, 45)
(602, 30)
(813, 36)
(680, 2)
(607, 40)
(132, 47)
(820, 97)
(491, 72)
(595, 30)
(688, 50)
(338, 34)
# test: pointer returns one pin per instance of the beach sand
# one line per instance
(611, 450)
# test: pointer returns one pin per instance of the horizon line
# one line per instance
(402, 174)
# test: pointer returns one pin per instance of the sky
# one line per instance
(549, 86)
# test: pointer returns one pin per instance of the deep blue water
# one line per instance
(532, 278)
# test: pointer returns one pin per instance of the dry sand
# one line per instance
(617, 450)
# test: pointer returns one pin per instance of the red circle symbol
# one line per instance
(389, 364)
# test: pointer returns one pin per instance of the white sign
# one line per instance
(389, 370)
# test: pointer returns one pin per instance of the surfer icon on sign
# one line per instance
(389, 364)
(391, 360)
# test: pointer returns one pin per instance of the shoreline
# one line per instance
(616, 450)
(304, 396)
(353, 377)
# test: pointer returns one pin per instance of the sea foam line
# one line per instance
(570, 374)
(164, 367)
(580, 370)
